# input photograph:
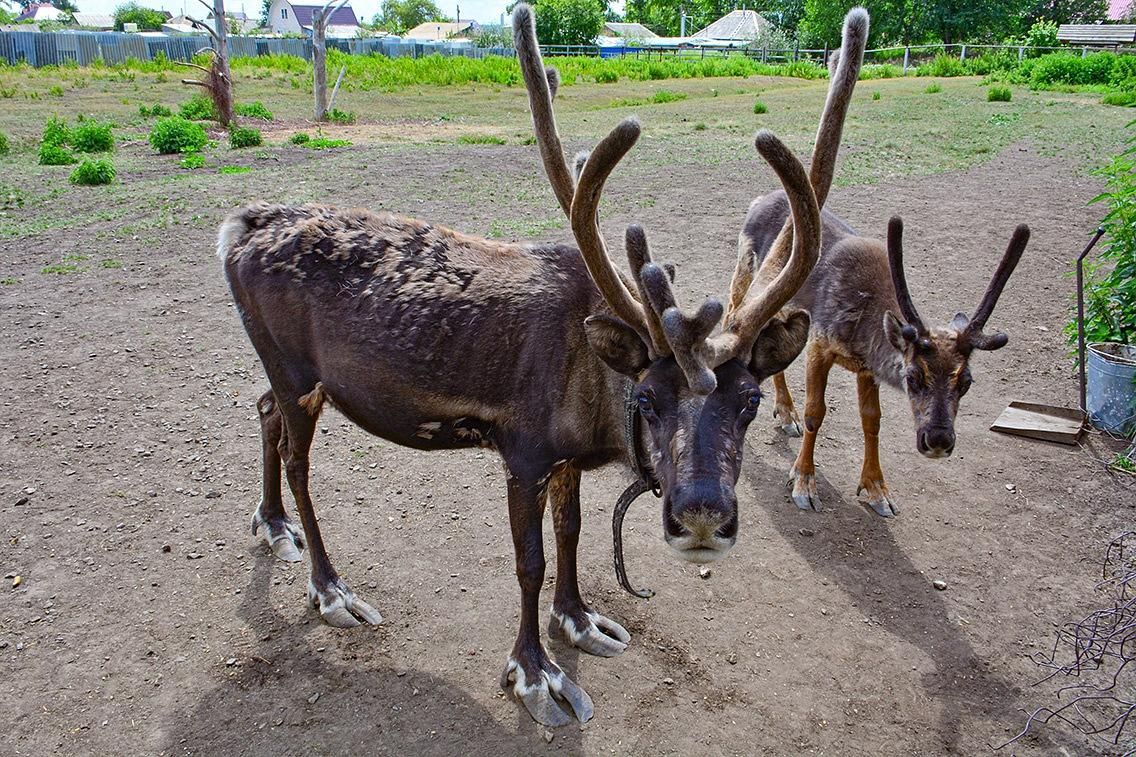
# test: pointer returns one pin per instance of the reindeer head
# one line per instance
(936, 361)
(697, 390)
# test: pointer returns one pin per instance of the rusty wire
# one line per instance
(1099, 651)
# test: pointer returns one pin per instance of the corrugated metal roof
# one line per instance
(736, 25)
(1103, 34)
(438, 30)
(344, 16)
(95, 20)
(621, 29)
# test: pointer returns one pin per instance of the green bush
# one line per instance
(253, 110)
(4, 146)
(299, 138)
(198, 108)
(155, 112)
(93, 172)
(193, 160)
(175, 134)
(942, 65)
(876, 95)
(243, 136)
(54, 155)
(55, 132)
(998, 94)
(339, 116)
(933, 88)
(759, 107)
(92, 136)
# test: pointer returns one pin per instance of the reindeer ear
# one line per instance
(617, 344)
(778, 345)
(900, 334)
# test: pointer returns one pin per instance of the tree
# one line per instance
(265, 12)
(1065, 11)
(148, 19)
(67, 6)
(400, 15)
(568, 22)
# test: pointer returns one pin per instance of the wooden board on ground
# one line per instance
(1052, 424)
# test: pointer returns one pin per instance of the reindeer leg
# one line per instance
(783, 409)
(802, 477)
(571, 615)
(338, 605)
(871, 475)
(281, 534)
(537, 680)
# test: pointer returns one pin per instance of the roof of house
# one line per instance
(344, 16)
(1097, 34)
(438, 30)
(94, 20)
(736, 25)
(40, 12)
(636, 31)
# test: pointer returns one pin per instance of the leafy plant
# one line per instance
(93, 172)
(56, 91)
(300, 138)
(243, 136)
(55, 132)
(323, 143)
(759, 108)
(175, 134)
(1110, 280)
(92, 136)
(156, 111)
(998, 94)
(234, 169)
(54, 155)
(1124, 99)
(193, 160)
(478, 139)
(604, 76)
(340, 116)
(666, 96)
(933, 88)
(198, 108)
(876, 95)
(253, 110)
(4, 146)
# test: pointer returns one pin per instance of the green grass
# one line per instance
(933, 88)
(60, 269)
(253, 110)
(759, 108)
(110, 263)
(324, 143)
(229, 170)
(476, 139)
(997, 94)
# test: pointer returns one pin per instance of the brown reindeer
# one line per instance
(437, 340)
(852, 297)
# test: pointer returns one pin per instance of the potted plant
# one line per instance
(1110, 303)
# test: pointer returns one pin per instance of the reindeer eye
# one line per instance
(752, 401)
(646, 407)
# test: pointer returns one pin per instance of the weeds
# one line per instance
(192, 161)
(243, 136)
(157, 111)
(480, 139)
(92, 136)
(253, 110)
(175, 134)
(54, 155)
(760, 108)
(229, 170)
(300, 138)
(933, 88)
(198, 108)
(5, 148)
(55, 132)
(876, 95)
(93, 173)
(998, 94)
(340, 117)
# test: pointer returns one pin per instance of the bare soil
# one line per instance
(149, 621)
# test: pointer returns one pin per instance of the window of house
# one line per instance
(283, 13)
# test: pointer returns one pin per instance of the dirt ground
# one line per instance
(149, 621)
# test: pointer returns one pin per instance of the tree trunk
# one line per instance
(223, 94)
(319, 63)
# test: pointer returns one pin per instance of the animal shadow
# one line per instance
(268, 706)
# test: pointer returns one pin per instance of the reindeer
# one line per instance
(852, 297)
(437, 340)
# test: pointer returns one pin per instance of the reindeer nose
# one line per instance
(704, 509)
(937, 441)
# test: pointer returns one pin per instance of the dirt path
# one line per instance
(149, 621)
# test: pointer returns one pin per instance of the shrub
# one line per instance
(876, 95)
(759, 107)
(92, 136)
(299, 138)
(604, 76)
(4, 146)
(54, 155)
(242, 136)
(479, 139)
(55, 132)
(198, 108)
(154, 112)
(339, 116)
(193, 160)
(933, 88)
(93, 172)
(253, 110)
(998, 94)
(175, 134)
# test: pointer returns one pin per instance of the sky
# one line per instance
(483, 11)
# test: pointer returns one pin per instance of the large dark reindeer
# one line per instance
(437, 340)
(852, 297)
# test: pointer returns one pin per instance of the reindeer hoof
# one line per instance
(792, 428)
(879, 499)
(282, 536)
(544, 689)
(339, 607)
(595, 635)
(804, 491)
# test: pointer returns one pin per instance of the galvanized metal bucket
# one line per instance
(1111, 393)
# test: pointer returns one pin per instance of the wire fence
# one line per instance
(80, 48)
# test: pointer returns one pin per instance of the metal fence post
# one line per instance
(1084, 51)
(1021, 54)
(963, 58)
(906, 58)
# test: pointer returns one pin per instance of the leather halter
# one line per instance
(645, 481)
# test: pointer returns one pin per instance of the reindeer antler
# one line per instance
(899, 279)
(972, 335)
(844, 71)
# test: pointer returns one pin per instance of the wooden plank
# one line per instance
(1052, 424)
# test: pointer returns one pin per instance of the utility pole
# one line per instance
(682, 23)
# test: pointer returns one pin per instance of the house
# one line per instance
(438, 30)
(626, 30)
(736, 26)
(97, 21)
(1097, 35)
(41, 12)
(288, 18)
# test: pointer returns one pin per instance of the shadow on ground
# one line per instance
(265, 707)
